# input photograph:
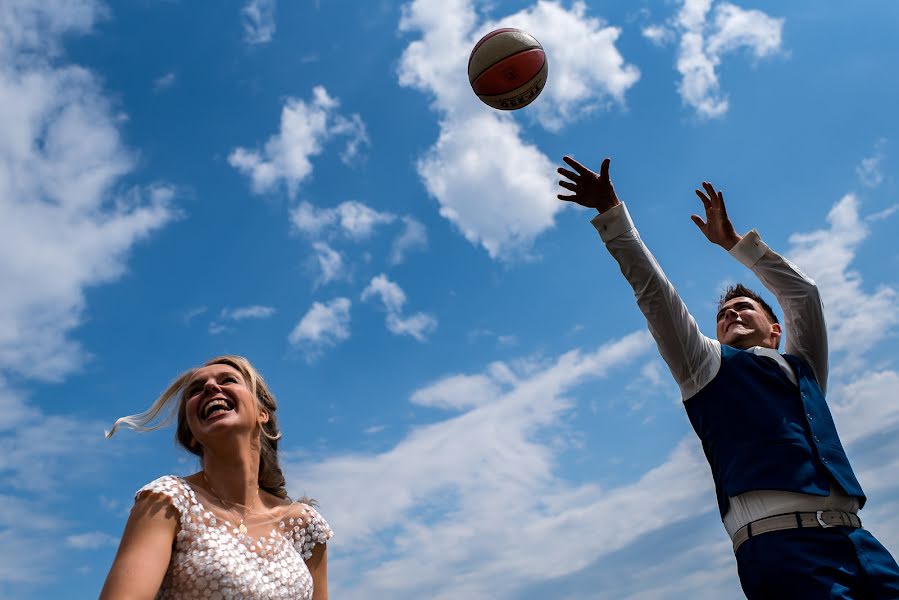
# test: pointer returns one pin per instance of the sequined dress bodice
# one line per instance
(212, 560)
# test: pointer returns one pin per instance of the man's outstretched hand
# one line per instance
(590, 190)
(717, 226)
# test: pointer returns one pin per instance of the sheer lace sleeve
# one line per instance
(309, 528)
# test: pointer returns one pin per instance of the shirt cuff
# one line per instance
(749, 249)
(613, 222)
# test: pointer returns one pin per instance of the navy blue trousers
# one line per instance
(834, 563)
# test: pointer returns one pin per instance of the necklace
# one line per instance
(241, 527)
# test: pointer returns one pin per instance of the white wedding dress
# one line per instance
(213, 560)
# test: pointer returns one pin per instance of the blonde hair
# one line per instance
(271, 479)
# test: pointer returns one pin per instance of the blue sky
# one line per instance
(465, 382)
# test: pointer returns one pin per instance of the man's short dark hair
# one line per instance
(738, 290)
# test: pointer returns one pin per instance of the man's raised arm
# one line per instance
(692, 358)
(796, 293)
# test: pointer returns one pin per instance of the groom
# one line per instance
(786, 492)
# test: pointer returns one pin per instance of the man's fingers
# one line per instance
(568, 185)
(713, 195)
(581, 169)
(604, 168)
(705, 201)
(699, 223)
(566, 173)
(721, 203)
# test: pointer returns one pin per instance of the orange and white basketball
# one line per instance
(507, 69)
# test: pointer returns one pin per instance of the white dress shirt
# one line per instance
(694, 359)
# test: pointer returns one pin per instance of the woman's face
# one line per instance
(219, 400)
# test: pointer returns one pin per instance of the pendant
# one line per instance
(242, 528)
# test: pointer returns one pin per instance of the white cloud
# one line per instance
(476, 493)
(736, 28)
(312, 221)
(351, 219)
(419, 325)
(356, 222)
(359, 220)
(164, 82)
(247, 312)
(586, 72)
(29, 26)
(865, 406)
(413, 237)
(869, 170)
(91, 541)
(305, 128)
(462, 391)
(658, 35)
(232, 315)
(857, 319)
(353, 128)
(393, 298)
(330, 263)
(498, 190)
(323, 326)
(495, 187)
(258, 21)
(703, 43)
(67, 223)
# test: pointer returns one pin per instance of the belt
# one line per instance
(797, 520)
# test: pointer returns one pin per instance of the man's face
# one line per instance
(743, 323)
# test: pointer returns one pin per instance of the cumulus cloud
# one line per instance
(305, 127)
(587, 71)
(413, 237)
(857, 319)
(393, 298)
(258, 21)
(476, 493)
(658, 34)
(323, 326)
(68, 225)
(351, 219)
(330, 263)
(356, 222)
(706, 35)
(870, 171)
(459, 392)
(498, 189)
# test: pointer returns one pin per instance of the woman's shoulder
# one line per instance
(308, 525)
(174, 488)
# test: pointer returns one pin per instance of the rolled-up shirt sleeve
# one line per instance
(798, 297)
(692, 358)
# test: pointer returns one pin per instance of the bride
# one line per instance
(229, 530)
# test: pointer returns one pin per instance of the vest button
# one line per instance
(816, 439)
(809, 415)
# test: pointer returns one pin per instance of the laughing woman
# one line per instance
(229, 530)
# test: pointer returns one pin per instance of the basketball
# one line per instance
(507, 69)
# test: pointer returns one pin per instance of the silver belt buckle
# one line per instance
(821, 521)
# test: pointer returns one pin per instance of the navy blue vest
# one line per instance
(759, 432)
